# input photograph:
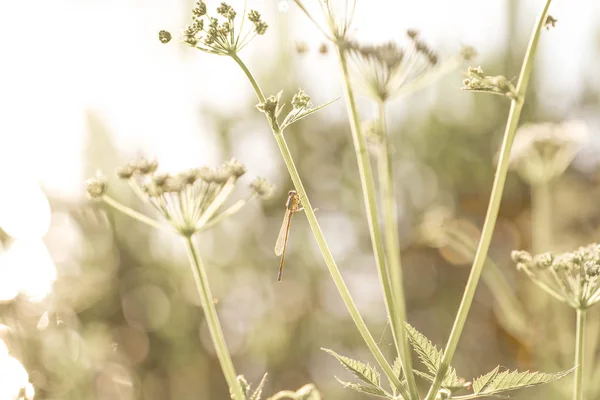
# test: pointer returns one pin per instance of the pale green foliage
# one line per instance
(366, 389)
(258, 392)
(297, 114)
(496, 382)
(367, 374)
(431, 357)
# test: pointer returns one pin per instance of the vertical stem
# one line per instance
(392, 241)
(579, 352)
(395, 306)
(322, 243)
(214, 326)
(494, 204)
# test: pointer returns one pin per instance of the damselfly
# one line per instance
(293, 205)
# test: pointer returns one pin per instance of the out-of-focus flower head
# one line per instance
(334, 19)
(385, 69)
(541, 152)
(477, 81)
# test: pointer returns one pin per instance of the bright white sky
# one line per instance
(63, 57)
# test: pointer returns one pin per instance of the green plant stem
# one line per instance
(579, 352)
(510, 310)
(216, 333)
(392, 240)
(395, 304)
(320, 238)
(494, 204)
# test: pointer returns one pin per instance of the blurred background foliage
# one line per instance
(122, 319)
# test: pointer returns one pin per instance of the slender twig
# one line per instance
(212, 320)
(510, 309)
(392, 240)
(579, 352)
(494, 205)
(320, 238)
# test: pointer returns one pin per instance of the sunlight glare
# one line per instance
(26, 268)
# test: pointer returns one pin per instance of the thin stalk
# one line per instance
(320, 238)
(510, 310)
(392, 240)
(579, 352)
(135, 215)
(214, 326)
(395, 305)
(494, 204)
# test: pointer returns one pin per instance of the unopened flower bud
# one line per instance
(96, 187)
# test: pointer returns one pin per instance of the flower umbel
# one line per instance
(476, 81)
(575, 276)
(386, 68)
(542, 152)
(190, 201)
(301, 107)
(224, 34)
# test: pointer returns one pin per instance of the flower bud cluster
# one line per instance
(221, 34)
(574, 276)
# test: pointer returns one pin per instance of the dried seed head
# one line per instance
(262, 188)
(542, 152)
(543, 261)
(206, 174)
(550, 22)
(96, 187)
(190, 176)
(385, 69)
(300, 100)
(125, 171)
(521, 256)
(164, 36)
(144, 166)
(261, 27)
(227, 11)
(222, 175)
(254, 16)
(301, 47)
(323, 49)
(199, 10)
(270, 105)
(468, 53)
(235, 167)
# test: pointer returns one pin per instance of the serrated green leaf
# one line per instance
(368, 389)
(398, 372)
(431, 356)
(512, 380)
(244, 385)
(258, 392)
(424, 375)
(483, 381)
(362, 371)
